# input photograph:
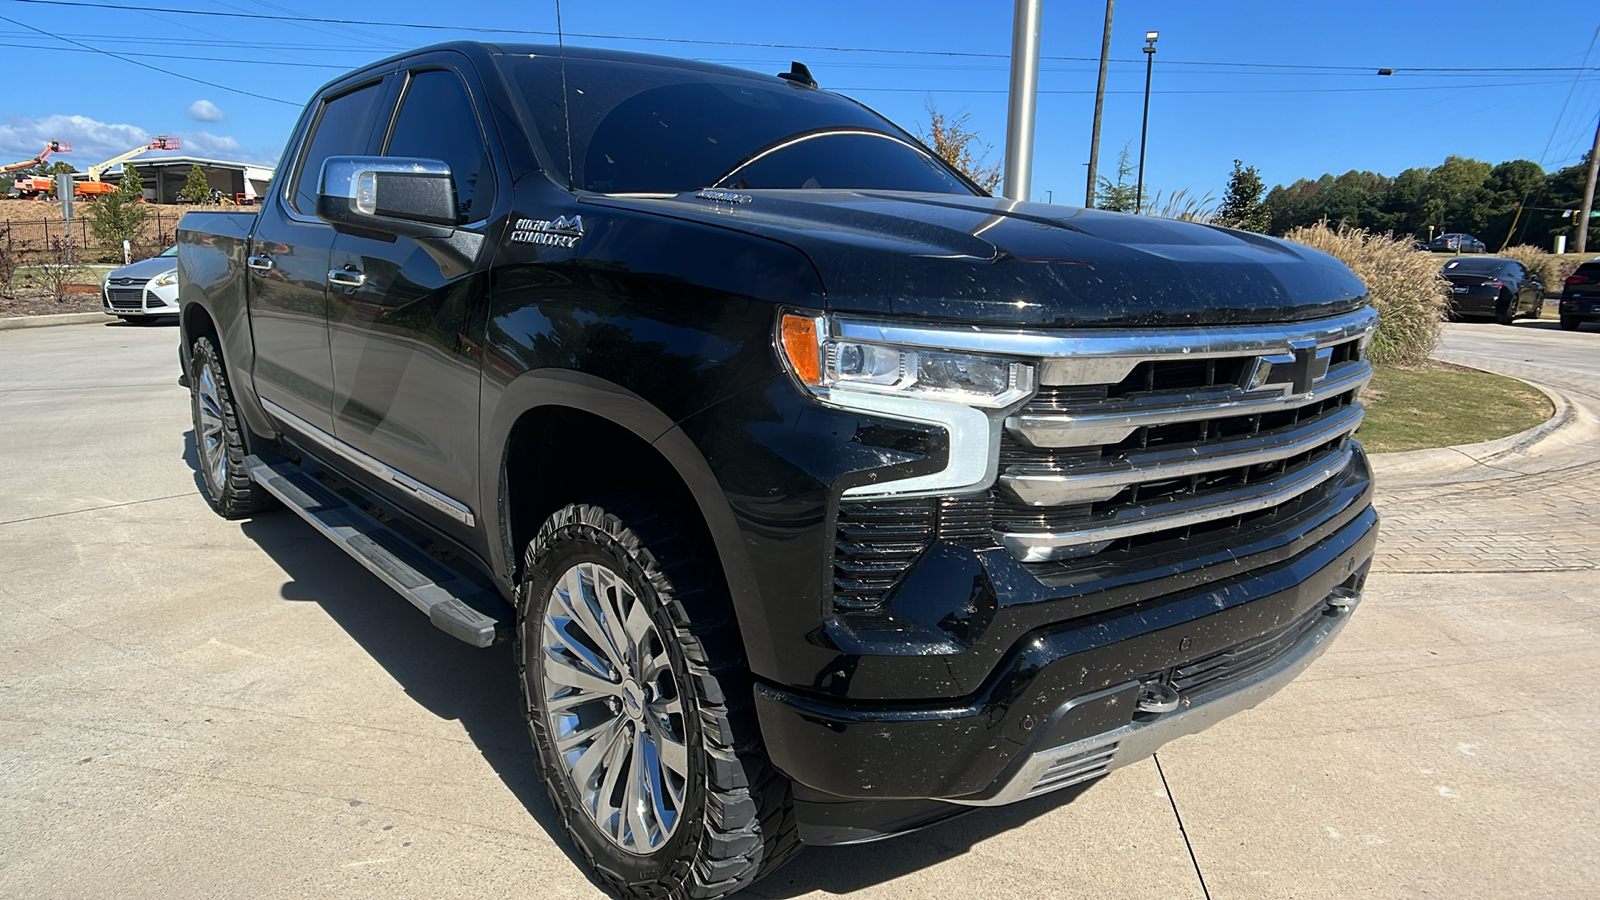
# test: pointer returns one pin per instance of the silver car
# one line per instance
(146, 288)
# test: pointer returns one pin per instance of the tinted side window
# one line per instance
(436, 122)
(343, 129)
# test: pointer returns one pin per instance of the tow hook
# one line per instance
(1157, 697)
(1340, 599)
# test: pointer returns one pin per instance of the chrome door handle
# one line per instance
(260, 263)
(346, 278)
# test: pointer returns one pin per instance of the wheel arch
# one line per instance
(624, 434)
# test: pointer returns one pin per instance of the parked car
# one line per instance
(1580, 296)
(822, 495)
(1457, 243)
(1493, 286)
(143, 290)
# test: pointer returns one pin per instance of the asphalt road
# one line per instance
(193, 708)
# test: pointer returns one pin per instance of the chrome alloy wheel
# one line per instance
(210, 439)
(613, 708)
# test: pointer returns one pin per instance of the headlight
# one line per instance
(966, 394)
(165, 279)
(827, 365)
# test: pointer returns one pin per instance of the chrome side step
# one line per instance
(455, 605)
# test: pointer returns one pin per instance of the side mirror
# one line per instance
(389, 195)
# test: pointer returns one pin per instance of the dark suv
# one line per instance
(1580, 296)
(820, 495)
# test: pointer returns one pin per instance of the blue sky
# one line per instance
(1249, 79)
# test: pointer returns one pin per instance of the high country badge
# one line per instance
(558, 232)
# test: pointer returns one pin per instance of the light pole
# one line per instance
(1024, 98)
(1149, 65)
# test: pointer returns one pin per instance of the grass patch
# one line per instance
(1443, 405)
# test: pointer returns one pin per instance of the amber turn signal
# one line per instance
(801, 347)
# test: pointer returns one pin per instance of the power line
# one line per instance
(89, 4)
(82, 48)
(1435, 87)
(142, 65)
(220, 59)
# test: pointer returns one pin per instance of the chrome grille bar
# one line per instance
(1103, 480)
(1109, 423)
(1136, 519)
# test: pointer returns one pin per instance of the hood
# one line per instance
(995, 261)
(145, 269)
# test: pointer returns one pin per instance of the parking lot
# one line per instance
(191, 707)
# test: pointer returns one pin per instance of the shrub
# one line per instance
(1405, 287)
(57, 268)
(1545, 265)
(10, 259)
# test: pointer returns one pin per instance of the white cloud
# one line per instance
(93, 141)
(205, 111)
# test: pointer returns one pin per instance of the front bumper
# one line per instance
(1066, 706)
(140, 300)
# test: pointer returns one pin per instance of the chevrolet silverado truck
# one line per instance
(820, 495)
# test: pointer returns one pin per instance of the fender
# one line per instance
(620, 406)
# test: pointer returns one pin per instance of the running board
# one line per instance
(455, 605)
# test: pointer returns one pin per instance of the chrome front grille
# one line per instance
(1175, 441)
(1137, 445)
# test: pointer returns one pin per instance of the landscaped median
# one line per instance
(1443, 405)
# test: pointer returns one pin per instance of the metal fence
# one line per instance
(39, 234)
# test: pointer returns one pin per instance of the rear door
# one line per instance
(405, 367)
(289, 264)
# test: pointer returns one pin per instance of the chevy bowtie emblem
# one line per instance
(1299, 369)
(558, 232)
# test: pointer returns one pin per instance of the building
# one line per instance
(165, 174)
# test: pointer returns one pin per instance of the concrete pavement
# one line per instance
(196, 708)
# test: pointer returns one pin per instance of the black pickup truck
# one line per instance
(821, 495)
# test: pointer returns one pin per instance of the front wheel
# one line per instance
(640, 708)
(218, 441)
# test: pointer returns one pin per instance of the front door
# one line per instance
(405, 366)
(288, 266)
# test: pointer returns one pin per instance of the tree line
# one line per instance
(1513, 202)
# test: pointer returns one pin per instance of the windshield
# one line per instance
(170, 251)
(643, 128)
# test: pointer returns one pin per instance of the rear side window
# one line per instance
(436, 122)
(343, 129)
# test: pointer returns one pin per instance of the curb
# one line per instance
(1446, 461)
(83, 318)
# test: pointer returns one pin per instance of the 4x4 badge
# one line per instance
(558, 232)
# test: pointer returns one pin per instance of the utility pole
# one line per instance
(1024, 98)
(1588, 193)
(1149, 65)
(1099, 105)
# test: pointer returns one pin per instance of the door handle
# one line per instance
(260, 263)
(346, 277)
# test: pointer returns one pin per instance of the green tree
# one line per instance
(195, 187)
(132, 186)
(949, 138)
(119, 216)
(1121, 196)
(1242, 206)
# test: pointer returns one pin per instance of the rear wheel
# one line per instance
(1505, 309)
(1570, 323)
(218, 442)
(640, 707)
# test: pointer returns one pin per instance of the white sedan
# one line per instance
(146, 288)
